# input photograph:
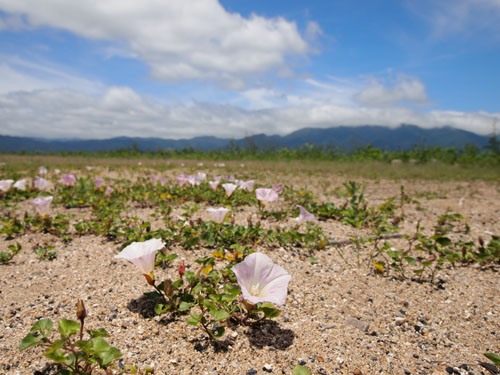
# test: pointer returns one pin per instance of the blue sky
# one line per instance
(232, 68)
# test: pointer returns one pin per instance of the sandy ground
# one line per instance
(340, 317)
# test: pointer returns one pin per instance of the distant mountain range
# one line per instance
(347, 137)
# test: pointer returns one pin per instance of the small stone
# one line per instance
(357, 372)
(449, 370)
(362, 326)
(302, 361)
(407, 372)
(373, 358)
(252, 371)
(267, 368)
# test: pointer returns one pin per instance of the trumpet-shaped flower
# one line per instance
(219, 214)
(98, 181)
(142, 254)
(108, 191)
(305, 215)
(42, 204)
(41, 183)
(5, 185)
(42, 170)
(278, 189)
(247, 185)
(182, 179)
(68, 179)
(261, 280)
(213, 185)
(21, 184)
(266, 195)
(229, 188)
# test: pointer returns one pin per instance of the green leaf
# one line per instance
(101, 332)
(28, 341)
(43, 326)
(56, 355)
(269, 310)
(161, 308)
(218, 332)
(301, 370)
(197, 289)
(68, 327)
(232, 289)
(104, 351)
(410, 260)
(495, 358)
(220, 315)
(185, 306)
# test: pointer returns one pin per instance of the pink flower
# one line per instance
(305, 215)
(42, 204)
(41, 183)
(229, 188)
(142, 254)
(247, 185)
(266, 195)
(5, 185)
(200, 177)
(98, 181)
(89, 168)
(278, 189)
(57, 171)
(261, 280)
(21, 184)
(163, 181)
(68, 179)
(213, 185)
(42, 170)
(182, 179)
(153, 178)
(219, 214)
(217, 178)
(108, 191)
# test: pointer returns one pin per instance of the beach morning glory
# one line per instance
(143, 254)
(42, 204)
(305, 215)
(5, 185)
(261, 280)
(229, 188)
(266, 195)
(219, 214)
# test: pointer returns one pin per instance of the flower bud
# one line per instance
(167, 286)
(481, 241)
(182, 268)
(150, 278)
(81, 313)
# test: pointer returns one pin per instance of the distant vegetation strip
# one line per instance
(469, 154)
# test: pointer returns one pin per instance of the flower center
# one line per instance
(255, 290)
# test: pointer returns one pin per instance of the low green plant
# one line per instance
(13, 251)
(74, 354)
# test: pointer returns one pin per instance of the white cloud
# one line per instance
(18, 74)
(463, 17)
(405, 90)
(196, 39)
(122, 112)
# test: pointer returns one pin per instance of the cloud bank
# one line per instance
(120, 111)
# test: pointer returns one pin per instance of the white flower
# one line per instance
(21, 184)
(229, 188)
(142, 254)
(261, 280)
(305, 215)
(5, 185)
(266, 195)
(42, 204)
(41, 183)
(219, 213)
